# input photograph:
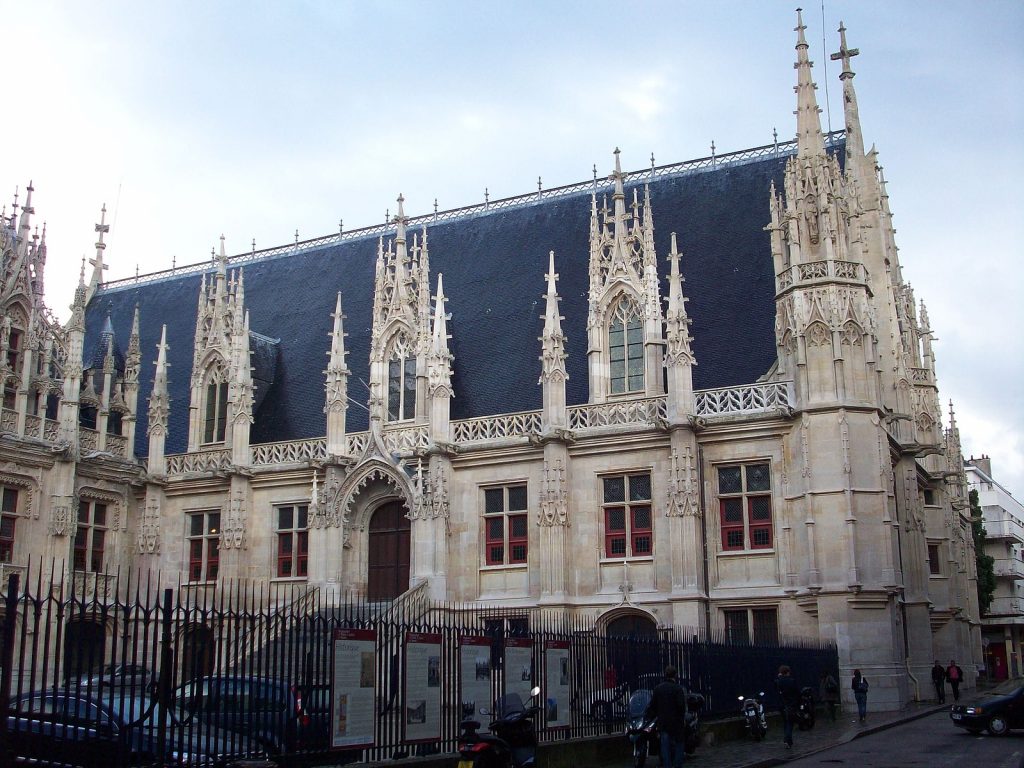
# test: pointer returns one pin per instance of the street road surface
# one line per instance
(930, 742)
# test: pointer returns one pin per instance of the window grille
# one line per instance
(292, 541)
(628, 523)
(506, 528)
(203, 546)
(745, 505)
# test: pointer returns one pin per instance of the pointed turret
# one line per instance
(679, 359)
(336, 386)
(553, 373)
(439, 370)
(810, 141)
(97, 263)
(159, 410)
(132, 368)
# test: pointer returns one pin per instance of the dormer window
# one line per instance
(401, 381)
(216, 420)
(626, 348)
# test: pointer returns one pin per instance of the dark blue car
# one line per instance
(104, 729)
(996, 711)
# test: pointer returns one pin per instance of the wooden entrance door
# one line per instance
(388, 566)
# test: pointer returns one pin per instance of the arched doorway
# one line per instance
(84, 642)
(388, 557)
(197, 647)
(634, 654)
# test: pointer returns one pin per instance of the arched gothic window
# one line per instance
(216, 407)
(401, 381)
(626, 347)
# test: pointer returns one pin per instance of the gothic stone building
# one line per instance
(698, 395)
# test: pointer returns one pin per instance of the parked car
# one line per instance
(278, 715)
(997, 710)
(69, 727)
(132, 676)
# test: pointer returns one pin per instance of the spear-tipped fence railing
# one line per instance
(237, 668)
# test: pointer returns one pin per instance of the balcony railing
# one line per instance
(647, 411)
(747, 400)
(821, 270)
(1007, 568)
(1006, 606)
(1004, 529)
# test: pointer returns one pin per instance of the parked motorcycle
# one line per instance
(511, 743)
(753, 715)
(694, 705)
(805, 710)
(640, 729)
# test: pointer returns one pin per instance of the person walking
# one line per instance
(789, 693)
(955, 675)
(860, 693)
(668, 706)
(939, 681)
(828, 692)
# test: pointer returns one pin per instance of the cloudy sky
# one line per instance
(253, 119)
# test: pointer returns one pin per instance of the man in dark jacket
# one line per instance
(939, 681)
(955, 675)
(789, 693)
(668, 705)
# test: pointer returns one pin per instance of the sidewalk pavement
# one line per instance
(747, 753)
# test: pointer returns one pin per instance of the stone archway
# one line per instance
(388, 552)
(84, 647)
(634, 652)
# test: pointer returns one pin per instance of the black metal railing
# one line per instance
(140, 669)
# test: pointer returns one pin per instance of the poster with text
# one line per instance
(519, 667)
(422, 716)
(475, 678)
(353, 691)
(556, 683)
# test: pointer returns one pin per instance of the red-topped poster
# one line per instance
(353, 688)
(474, 677)
(519, 667)
(556, 683)
(422, 717)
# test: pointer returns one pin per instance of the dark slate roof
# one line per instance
(493, 265)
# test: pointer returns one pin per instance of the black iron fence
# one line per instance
(120, 671)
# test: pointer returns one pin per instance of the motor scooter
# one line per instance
(640, 729)
(511, 743)
(805, 709)
(753, 715)
(694, 705)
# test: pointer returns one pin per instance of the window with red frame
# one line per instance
(745, 504)
(203, 546)
(293, 541)
(506, 530)
(8, 519)
(90, 537)
(627, 516)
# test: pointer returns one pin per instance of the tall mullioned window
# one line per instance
(627, 515)
(626, 348)
(90, 537)
(401, 382)
(216, 420)
(757, 625)
(292, 541)
(203, 542)
(506, 528)
(8, 522)
(745, 503)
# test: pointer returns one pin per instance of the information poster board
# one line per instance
(556, 683)
(422, 721)
(353, 688)
(519, 667)
(475, 678)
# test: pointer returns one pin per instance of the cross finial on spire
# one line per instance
(844, 53)
(400, 216)
(103, 227)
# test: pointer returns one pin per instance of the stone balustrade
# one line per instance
(750, 399)
(821, 270)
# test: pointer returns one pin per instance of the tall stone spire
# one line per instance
(854, 137)
(133, 364)
(336, 386)
(159, 409)
(679, 359)
(97, 262)
(808, 120)
(439, 367)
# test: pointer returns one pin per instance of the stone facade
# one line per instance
(798, 500)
